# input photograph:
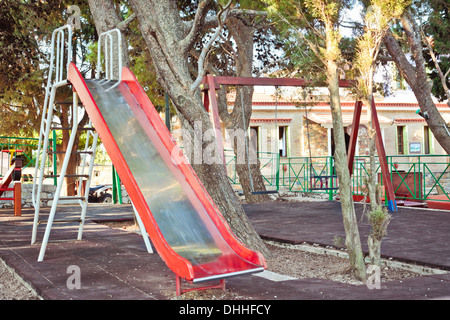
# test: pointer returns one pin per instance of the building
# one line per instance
(305, 129)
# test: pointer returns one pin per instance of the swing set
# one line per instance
(212, 83)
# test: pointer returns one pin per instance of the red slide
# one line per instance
(7, 179)
(13, 173)
(184, 224)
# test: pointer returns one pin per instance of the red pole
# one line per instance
(17, 198)
(392, 205)
(354, 135)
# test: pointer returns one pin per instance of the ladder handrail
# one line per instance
(60, 80)
(110, 47)
(59, 35)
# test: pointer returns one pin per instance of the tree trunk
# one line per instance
(106, 18)
(374, 246)
(69, 184)
(247, 162)
(239, 120)
(417, 79)
(371, 182)
(352, 240)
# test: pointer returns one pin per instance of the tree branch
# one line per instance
(212, 22)
(442, 76)
(123, 25)
(205, 50)
(271, 65)
(403, 65)
(196, 25)
(313, 46)
(410, 28)
(384, 58)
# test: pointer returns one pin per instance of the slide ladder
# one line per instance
(61, 54)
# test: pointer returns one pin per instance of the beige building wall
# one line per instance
(290, 116)
(391, 116)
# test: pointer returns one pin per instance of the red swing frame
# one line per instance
(212, 83)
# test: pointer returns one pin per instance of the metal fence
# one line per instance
(28, 146)
(414, 177)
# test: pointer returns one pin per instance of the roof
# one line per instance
(346, 118)
(266, 99)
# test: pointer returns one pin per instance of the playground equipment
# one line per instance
(61, 55)
(61, 46)
(8, 157)
(212, 83)
(28, 147)
(13, 175)
(186, 227)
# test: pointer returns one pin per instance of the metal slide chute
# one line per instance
(185, 226)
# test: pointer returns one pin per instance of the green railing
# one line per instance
(419, 177)
(269, 164)
(414, 177)
(308, 174)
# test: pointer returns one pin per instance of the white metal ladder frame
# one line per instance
(63, 52)
(60, 80)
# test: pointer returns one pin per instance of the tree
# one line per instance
(379, 15)
(316, 24)
(19, 70)
(247, 28)
(169, 40)
(434, 33)
(415, 73)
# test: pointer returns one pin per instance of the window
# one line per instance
(400, 140)
(426, 140)
(254, 138)
(283, 141)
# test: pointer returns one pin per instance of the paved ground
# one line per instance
(414, 235)
(115, 265)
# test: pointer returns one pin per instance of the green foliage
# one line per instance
(437, 26)
(378, 17)
(311, 30)
(142, 67)
(25, 30)
(379, 220)
(19, 68)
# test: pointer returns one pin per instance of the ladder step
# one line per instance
(67, 175)
(60, 221)
(67, 103)
(72, 198)
(70, 128)
(74, 152)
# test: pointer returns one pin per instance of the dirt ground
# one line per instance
(12, 287)
(285, 259)
(290, 261)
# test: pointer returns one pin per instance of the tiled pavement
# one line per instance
(115, 265)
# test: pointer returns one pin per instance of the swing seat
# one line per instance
(313, 186)
(265, 192)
